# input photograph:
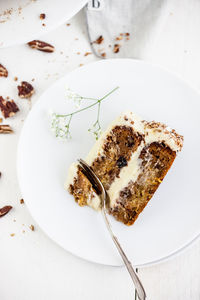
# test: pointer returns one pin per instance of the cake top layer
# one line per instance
(152, 131)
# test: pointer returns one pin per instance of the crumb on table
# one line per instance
(32, 227)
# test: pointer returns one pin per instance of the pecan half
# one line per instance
(5, 129)
(8, 108)
(25, 90)
(3, 71)
(4, 210)
(42, 46)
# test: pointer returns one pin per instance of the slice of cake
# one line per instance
(131, 158)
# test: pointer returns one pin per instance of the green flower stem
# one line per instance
(89, 106)
(70, 118)
(63, 130)
(86, 98)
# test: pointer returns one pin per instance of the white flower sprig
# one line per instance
(60, 124)
(76, 98)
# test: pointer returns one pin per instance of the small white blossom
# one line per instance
(60, 126)
(96, 130)
(76, 98)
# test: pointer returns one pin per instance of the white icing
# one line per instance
(153, 135)
(94, 201)
(71, 175)
(128, 173)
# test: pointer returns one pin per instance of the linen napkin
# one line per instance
(125, 28)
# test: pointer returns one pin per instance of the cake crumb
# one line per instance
(32, 227)
(116, 48)
(103, 54)
(68, 24)
(43, 24)
(21, 201)
(23, 231)
(12, 234)
(87, 53)
(80, 65)
(118, 38)
(1, 120)
(78, 53)
(99, 40)
(42, 16)
(15, 78)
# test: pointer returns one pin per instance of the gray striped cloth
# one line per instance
(125, 28)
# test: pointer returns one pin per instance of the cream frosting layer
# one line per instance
(151, 131)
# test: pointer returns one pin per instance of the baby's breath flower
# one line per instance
(76, 98)
(60, 124)
(96, 130)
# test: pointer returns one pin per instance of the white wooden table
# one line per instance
(31, 265)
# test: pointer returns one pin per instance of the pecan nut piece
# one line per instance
(4, 210)
(8, 108)
(25, 90)
(42, 46)
(5, 129)
(3, 71)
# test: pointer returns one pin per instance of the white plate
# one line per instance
(20, 23)
(171, 219)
